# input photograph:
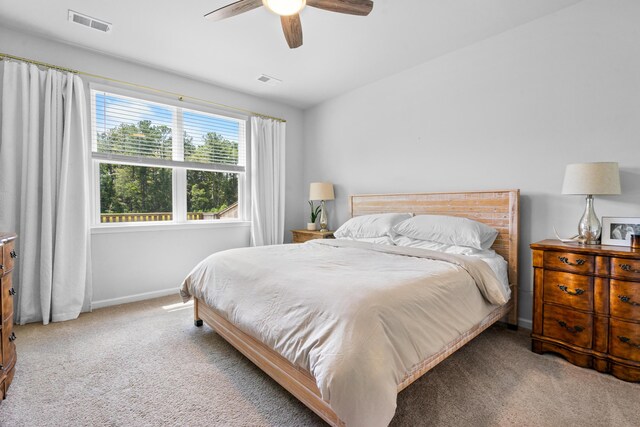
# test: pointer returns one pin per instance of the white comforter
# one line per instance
(358, 316)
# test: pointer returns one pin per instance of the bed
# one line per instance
(299, 372)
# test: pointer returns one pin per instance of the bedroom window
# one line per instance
(156, 162)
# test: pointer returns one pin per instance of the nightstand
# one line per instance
(301, 236)
(586, 305)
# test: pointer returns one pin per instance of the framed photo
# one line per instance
(617, 231)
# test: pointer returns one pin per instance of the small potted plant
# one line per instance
(315, 211)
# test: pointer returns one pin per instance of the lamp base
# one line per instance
(589, 228)
(323, 218)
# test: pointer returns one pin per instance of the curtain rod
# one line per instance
(165, 92)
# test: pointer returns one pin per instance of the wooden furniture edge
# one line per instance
(435, 193)
(7, 367)
(302, 230)
(514, 245)
(615, 251)
(301, 383)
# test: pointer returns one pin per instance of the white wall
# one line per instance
(128, 266)
(133, 265)
(508, 112)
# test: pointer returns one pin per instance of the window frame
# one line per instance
(179, 173)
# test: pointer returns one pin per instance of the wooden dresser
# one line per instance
(301, 236)
(586, 305)
(7, 336)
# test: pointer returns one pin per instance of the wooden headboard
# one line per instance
(498, 209)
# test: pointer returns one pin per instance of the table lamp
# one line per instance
(589, 179)
(321, 191)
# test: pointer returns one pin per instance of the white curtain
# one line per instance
(267, 181)
(44, 171)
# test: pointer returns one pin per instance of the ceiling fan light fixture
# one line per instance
(285, 7)
(288, 10)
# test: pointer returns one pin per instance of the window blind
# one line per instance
(130, 130)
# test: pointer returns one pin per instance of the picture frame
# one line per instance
(617, 231)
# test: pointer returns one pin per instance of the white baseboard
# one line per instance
(525, 323)
(133, 298)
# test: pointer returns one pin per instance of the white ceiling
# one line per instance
(340, 52)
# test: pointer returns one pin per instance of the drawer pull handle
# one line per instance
(627, 267)
(12, 337)
(566, 290)
(574, 330)
(12, 291)
(578, 262)
(13, 254)
(627, 299)
(628, 341)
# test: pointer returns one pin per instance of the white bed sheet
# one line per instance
(358, 316)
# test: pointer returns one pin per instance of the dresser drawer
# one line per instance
(8, 255)
(567, 261)
(625, 299)
(301, 238)
(8, 347)
(571, 290)
(570, 326)
(626, 268)
(7, 297)
(624, 339)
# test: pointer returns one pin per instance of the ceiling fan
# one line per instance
(289, 12)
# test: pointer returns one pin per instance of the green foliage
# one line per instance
(134, 189)
(314, 211)
(140, 189)
(144, 139)
(210, 191)
(215, 146)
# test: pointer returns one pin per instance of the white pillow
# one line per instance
(408, 242)
(382, 240)
(450, 230)
(367, 226)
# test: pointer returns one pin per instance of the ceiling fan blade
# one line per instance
(233, 9)
(292, 30)
(351, 7)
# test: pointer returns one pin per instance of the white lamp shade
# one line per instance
(592, 178)
(321, 191)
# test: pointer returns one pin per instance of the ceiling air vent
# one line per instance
(90, 22)
(269, 81)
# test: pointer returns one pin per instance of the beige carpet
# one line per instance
(145, 364)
